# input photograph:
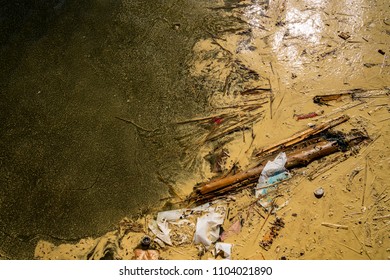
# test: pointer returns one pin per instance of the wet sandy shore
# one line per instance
(296, 50)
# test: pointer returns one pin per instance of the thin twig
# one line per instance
(381, 217)
(361, 244)
(222, 47)
(384, 120)
(271, 101)
(346, 246)
(373, 206)
(176, 251)
(202, 119)
(265, 221)
(336, 226)
(365, 181)
(341, 109)
(339, 159)
(136, 125)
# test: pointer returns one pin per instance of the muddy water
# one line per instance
(69, 167)
(296, 49)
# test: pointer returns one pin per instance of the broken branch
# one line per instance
(300, 136)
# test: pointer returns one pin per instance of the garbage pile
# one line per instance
(202, 224)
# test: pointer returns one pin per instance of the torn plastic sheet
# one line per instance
(273, 167)
(273, 172)
(223, 249)
(174, 215)
(175, 227)
(207, 228)
(234, 229)
(161, 231)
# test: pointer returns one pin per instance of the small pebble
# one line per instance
(319, 192)
(145, 242)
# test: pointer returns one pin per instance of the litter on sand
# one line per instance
(273, 172)
(200, 225)
(223, 249)
(207, 228)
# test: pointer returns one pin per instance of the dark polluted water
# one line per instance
(89, 93)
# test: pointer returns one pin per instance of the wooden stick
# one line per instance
(361, 244)
(341, 109)
(381, 217)
(365, 181)
(354, 94)
(300, 136)
(384, 120)
(348, 247)
(229, 180)
(336, 226)
(136, 125)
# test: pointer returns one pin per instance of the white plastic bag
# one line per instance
(273, 167)
(207, 228)
(161, 231)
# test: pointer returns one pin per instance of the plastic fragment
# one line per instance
(207, 228)
(273, 172)
(223, 249)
